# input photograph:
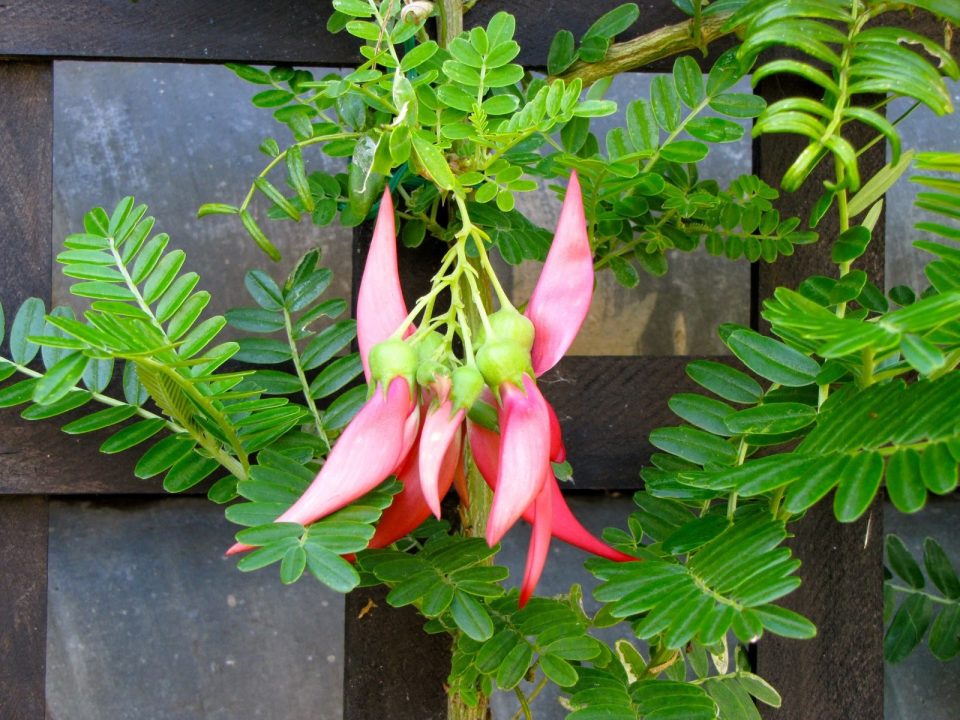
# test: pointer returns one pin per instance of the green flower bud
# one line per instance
(508, 324)
(428, 345)
(390, 359)
(503, 360)
(467, 386)
(428, 370)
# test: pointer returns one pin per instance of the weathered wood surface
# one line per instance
(838, 674)
(26, 131)
(607, 406)
(23, 607)
(26, 136)
(281, 31)
(392, 668)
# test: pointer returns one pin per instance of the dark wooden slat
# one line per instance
(23, 607)
(37, 458)
(392, 668)
(606, 405)
(838, 674)
(26, 136)
(281, 31)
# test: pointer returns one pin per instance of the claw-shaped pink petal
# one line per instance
(440, 428)
(485, 449)
(524, 456)
(371, 448)
(561, 299)
(558, 453)
(380, 305)
(409, 509)
(539, 544)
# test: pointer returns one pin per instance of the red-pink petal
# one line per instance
(369, 450)
(485, 449)
(558, 453)
(440, 428)
(561, 299)
(539, 544)
(566, 527)
(409, 509)
(524, 456)
(380, 305)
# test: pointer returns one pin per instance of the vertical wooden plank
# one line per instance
(26, 136)
(838, 674)
(23, 607)
(393, 669)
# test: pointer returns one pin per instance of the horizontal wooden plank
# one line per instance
(606, 405)
(281, 31)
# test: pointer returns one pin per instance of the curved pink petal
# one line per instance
(561, 298)
(409, 509)
(524, 456)
(539, 544)
(566, 527)
(440, 428)
(485, 448)
(558, 453)
(370, 449)
(380, 305)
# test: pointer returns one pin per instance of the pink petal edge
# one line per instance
(524, 456)
(371, 448)
(439, 429)
(561, 298)
(380, 305)
(539, 544)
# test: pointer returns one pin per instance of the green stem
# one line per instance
(101, 398)
(915, 591)
(449, 21)
(676, 132)
(239, 466)
(298, 366)
(283, 155)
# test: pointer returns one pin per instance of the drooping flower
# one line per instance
(372, 447)
(409, 508)
(485, 450)
(524, 456)
(561, 298)
(412, 425)
(380, 305)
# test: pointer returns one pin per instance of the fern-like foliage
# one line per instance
(644, 196)
(925, 610)
(845, 54)
(146, 313)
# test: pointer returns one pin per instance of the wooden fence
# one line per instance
(392, 670)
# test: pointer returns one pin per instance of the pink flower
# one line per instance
(380, 306)
(416, 434)
(372, 447)
(409, 509)
(377, 441)
(561, 298)
(485, 447)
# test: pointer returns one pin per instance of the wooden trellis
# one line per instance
(392, 669)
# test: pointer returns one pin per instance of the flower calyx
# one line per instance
(391, 359)
(503, 361)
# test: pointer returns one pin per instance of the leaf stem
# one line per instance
(304, 384)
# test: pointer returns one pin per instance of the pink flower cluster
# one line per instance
(416, 432)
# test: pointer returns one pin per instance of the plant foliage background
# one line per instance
(856, 390)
